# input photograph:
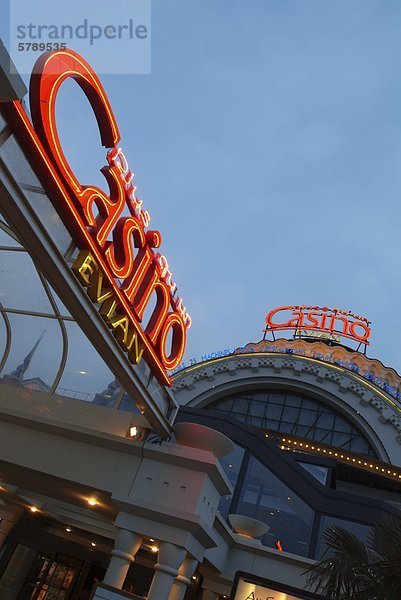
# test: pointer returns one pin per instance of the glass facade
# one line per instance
(260, 494)
(295, 518)
(232, 466)
(361, 530)
(319, 472)
(42, 347)
(266, 498)
(295, 414)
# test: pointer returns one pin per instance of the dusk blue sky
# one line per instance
(266, 145)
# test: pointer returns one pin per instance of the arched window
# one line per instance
(296, 414)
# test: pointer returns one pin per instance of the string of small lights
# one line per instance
(296, 444)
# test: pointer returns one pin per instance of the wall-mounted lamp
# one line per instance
(136, 433)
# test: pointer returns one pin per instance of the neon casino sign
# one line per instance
(319, 322)
(119, 262)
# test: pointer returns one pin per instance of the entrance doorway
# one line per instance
(52, 578)
(32, 574)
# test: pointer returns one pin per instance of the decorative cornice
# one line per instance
(372, 369)
(190, 384)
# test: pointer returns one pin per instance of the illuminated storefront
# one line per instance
(103, 488)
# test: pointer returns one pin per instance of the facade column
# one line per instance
(183, 579)
(209, 595)
(169, 560)
(126, 546)
(9, 516)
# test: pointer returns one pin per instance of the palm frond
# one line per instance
(388, 545)
(347, 571)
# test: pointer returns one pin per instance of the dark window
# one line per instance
(319, 472)
(360, 530)
(266, 498)
(289, 412)
(231, 465)
(307, 417)
(274, 411)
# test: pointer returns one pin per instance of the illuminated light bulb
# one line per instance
(155, 549)
(68, 530)
(151, 540)
(133, 431)
(92, 502)
(194, 577)
(34, 509)
(93, 544)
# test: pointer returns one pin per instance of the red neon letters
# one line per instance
(117, 264)
(330, 320)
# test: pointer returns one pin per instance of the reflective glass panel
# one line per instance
(21, 286)
(8, 240)
(35, 352)
(289, 412)
(319, 472)
(362, 531)
(266, 498)
(85, 373)
(23, 174)
(60, 305)
(128, 404)
(231, 465)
